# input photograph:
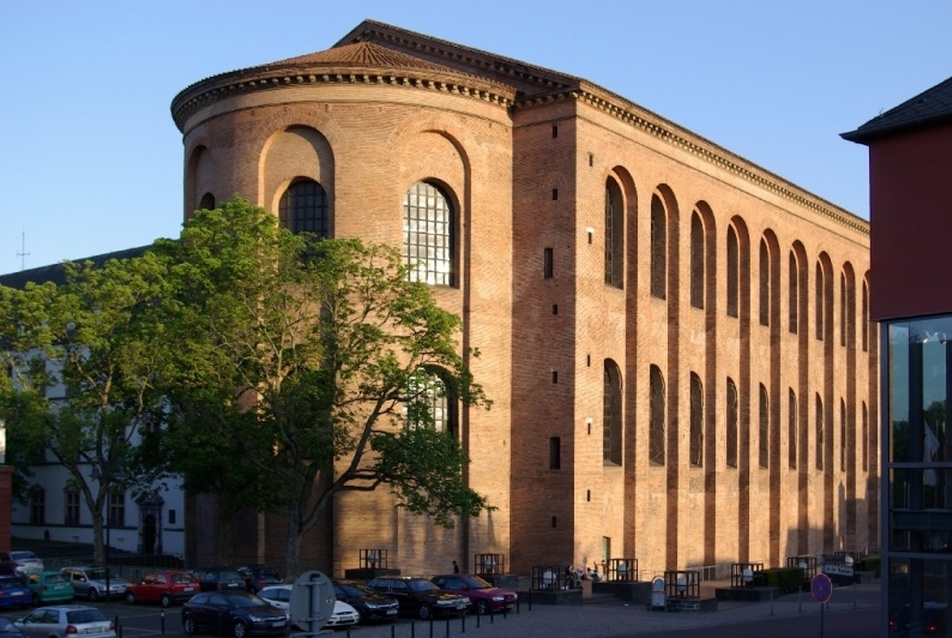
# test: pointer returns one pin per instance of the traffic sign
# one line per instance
(821, 587)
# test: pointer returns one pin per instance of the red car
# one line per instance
(163, 587)
(484, 597)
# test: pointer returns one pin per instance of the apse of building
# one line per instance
(675, 340)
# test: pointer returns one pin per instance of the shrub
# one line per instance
(786, 579)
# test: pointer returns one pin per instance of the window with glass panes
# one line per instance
(428, 235)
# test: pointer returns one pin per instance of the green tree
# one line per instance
(299, 359)
(85, 356)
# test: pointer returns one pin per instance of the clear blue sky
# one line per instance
(91, 161)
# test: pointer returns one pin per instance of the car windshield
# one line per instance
(98, 573)
(354, 589)
(475, 582)
(421, 585)
(226, 574)
(247, 601)
(78, 616)
(183, 578)
(268, 572)
(10, 581)
(23, 556)
(55, 578)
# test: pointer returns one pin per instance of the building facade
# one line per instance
(910, 151)
(676, 341)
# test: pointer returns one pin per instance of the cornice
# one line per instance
(220, 87)
(709, 152)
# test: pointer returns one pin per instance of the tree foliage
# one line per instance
(296, 362)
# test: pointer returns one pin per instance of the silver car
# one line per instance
(90, 582)
(66, 620)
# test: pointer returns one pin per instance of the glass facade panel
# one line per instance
(919, 474)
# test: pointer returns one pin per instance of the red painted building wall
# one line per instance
(911, 223)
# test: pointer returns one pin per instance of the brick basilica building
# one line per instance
(675, 340)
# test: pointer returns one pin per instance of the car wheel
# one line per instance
(166, 600)
(93, 594)
(188, 624)
(130, 598)
(425, 612)
(240, 630)
(482, 607)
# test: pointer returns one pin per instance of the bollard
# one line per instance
(162, 622)
(462, 622)
(447, 626)
(393, 630)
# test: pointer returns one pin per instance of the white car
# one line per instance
(90, 582)
(280, 596)
(66, 620)
(25, 561)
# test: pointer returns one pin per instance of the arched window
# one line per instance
(429, 235)
(764, 427)
(659, 249)
(794, 292)
(37, 496)
(842, 435)
(697, 261)
(428, 403)
(207, 202)
(612, 421)
(697, 421)
(864, 444)
(656, 423)
(764, 284)
(864, 319)
(303, 208)
(819, 301)
(819, 432)
(843, 309)
(733, 272)
(71, 513)
(614, 235)
(792, 430)
(732, 417)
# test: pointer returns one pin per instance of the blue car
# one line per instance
(14, 591)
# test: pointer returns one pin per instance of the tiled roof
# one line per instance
(926, 109)
(362, 54)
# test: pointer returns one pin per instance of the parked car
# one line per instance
(8, 629)
(279, 595)
(485, 596)
(14, 592)
(258, 576)
(90, 582)
(163, 587)
(49, 587)
(370, 604)
(218, 579)
(420, 597)
(66, 620)
(236, 613)
(23, 561)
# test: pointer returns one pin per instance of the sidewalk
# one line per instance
(608, 620)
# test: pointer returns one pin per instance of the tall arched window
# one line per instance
(428, 403)
(820, 300)
(732, 417)
(864, 318)
(614, 235)
(792, 430)
(429, 235)
(842, 435)
(659, 248)
(207, 202)
(612, 421)
(864, 444)
(697, 261)
(843, 309)
(794, 292)
(697, 421)
(656, 447)
(764, 283)
(764, 427)
(819, 432)
(733, 272)
(303, 208)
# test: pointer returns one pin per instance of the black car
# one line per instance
(368, 603)
(932, 623)
(238, 614)
(258, 576)
(420, 597)
(218, 579)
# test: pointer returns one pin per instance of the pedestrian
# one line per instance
(455, 567)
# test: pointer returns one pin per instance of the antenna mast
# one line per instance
(23, 254)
